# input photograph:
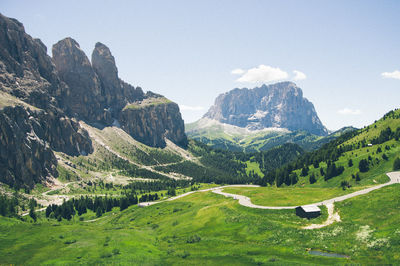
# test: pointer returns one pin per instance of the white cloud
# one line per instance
(190, 108)
(262, 73)
(348, 111)
(299, 75)
(391, 75)
(237, 71)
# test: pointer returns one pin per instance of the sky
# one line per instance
(344, 55)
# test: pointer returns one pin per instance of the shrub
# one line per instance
(312, 178)
(363, 165)
(193, 239)
(105, 255)
(350, 163)
(396, 164)
(115, 251)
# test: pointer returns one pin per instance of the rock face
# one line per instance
(116, 93)
(41, 99)
(96, 94)
(280, 105)
(31, 121)
(28, 138)
(26, 71)
(83, 97)
(154, 119)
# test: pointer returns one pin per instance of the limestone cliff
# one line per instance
(279, 105)
(152, 120)
(42, 99)
(96, 94)
(28, 137)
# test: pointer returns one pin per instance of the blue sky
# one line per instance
(187, 50)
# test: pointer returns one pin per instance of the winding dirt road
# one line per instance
(246, 201)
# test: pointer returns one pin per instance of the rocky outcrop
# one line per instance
(32, 124)
(27, 139)
(26, 71)
(280, 105)
(148, 118)
(116, 93)
(83, 97)
(41, 99)
(152, 120)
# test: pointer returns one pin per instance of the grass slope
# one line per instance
(208, 229)
(289, 196)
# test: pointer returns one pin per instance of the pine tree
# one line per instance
(396, 164)
(99, 212)
(123, 203)
(48, 211)
(363, 165)
(304, 171)
(350, 163)
(312, 179)
(32, 214)
(171, 191)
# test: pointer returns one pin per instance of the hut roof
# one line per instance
(311, 208)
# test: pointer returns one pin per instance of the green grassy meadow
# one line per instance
(288, 196)
(209, 229)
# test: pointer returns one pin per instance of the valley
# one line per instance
(96, 171)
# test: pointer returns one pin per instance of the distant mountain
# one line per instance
(279, 105)
(262, 118)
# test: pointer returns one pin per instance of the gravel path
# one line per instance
(332, 216)
(246, 201)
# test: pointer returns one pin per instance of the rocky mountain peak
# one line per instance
(104, 64)
(42, 100)
(279, 105)
(83, 97)
(71, 61)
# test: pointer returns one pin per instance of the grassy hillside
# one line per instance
(205, 228)
(314, 179)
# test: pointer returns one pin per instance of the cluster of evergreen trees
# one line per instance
(99, 205)
(330, 153)
(8, 206)
(385, 135)
(157, 185)
(276, 157)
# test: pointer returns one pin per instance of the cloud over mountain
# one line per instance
(299, 75)
(391, 75)
(348, 111)
(260, 74)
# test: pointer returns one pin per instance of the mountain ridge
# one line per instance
(43, 99)
(280, 105)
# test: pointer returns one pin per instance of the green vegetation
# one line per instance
(288, 196)
(228, 137)
(357, 158)
(205, 228)
(103, 224)
(148, 102)
(9, 100)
